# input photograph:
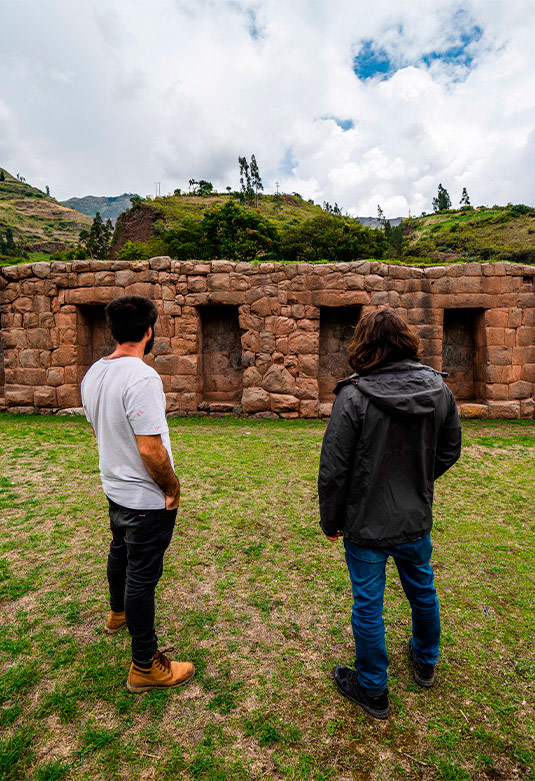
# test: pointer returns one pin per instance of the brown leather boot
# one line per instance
(115, 622)
(162, 674)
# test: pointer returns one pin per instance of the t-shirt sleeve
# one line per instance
(145, 407)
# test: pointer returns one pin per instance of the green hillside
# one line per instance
(36, 222)
(449, 236)
(283, 210)
(482, 234)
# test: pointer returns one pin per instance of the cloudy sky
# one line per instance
(359, 103)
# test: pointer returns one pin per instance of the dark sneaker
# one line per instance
(424, 674)
(347, 683)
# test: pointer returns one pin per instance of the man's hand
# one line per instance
(335, 537)
(172, 502)
(156, 460)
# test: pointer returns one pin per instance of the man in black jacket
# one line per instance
(393, 430)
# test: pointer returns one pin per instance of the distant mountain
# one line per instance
(37, 222)
(373, 222)
(109, 207)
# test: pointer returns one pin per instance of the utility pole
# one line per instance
(157, 185)
(277, 186)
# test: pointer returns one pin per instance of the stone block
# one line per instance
(262, 306)
(218, 282)
(30, 359)
(160, 263)
(104, 278)
(527, 409)
(87, 279)
(18, 394)
(68, 396)
(23, 304)
(41, 270)
(251, 377)
(499, 356)
(145, 289)
(515, 318)
(28, 376)
(162, 345)
(497, 392)
(283, 325)
(183, 384)
(255, 400)
(520, 389)
(324, 409)
(471, 411)
(303, 343)
(55, 376)
(504, 410)
(44, 396)
(306, 388)
(527, 372)
(94, 295)
(309, 408)
(308, 365)
(283, 403)
(278, 380)
(525, 336)
(186, 364)
(197, 284)
(495, 337)
(64, 356)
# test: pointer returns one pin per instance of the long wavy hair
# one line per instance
(379, 338)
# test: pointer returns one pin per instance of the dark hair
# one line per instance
(129, 317)
(379, 338)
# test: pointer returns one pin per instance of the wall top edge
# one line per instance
(43, 270)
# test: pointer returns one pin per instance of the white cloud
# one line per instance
(103, 100)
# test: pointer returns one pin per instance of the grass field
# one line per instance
(260, 601)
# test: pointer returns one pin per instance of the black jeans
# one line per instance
(135, 565)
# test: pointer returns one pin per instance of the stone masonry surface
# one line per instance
(267, 339)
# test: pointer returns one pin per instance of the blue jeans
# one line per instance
(367, 572)
(135, 565)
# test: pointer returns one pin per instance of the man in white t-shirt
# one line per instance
(124, 401)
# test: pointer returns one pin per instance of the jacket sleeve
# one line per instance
(449, 439)
(337, 453)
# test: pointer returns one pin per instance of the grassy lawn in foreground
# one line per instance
(256, 597)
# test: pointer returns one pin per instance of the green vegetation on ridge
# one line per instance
(35, 221)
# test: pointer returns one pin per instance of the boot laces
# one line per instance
(162, 660)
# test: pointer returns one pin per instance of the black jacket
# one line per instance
(392, 432)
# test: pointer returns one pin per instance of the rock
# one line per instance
(255, 400)
(281, 402)
(472, 411)
(278, 380)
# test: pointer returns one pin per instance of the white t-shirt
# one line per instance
(123, 397)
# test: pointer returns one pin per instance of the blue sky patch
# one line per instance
(345, 124)
(372, 60)
(458, 52)
(288, 163)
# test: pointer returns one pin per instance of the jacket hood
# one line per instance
(405, 387)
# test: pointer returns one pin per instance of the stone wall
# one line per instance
(267, 339)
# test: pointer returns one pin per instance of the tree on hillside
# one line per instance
(465, 200)
(246, 184)
(204, 187)
(98, 238)
(256, 181)
(442, 200)
(2, 176)
(47, 190)
(227, 231)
